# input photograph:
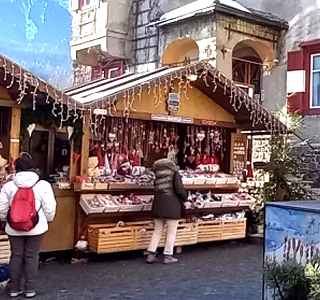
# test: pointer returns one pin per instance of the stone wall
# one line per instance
(310, 165)
(196, 29)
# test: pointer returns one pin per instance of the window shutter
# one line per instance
(296, 81)
(80, 3)
(295, 60)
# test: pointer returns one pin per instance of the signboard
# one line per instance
(165, 118)
(261, 150)
(102, 112)
(208, 122)
(173, 102)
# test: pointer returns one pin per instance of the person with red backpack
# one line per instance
(27, 204)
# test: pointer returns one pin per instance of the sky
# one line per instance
(36, 34)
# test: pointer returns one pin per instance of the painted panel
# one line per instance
(290, 235)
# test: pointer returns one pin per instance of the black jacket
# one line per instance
(170, 193)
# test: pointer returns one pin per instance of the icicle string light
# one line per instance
(29, 83)
(212, 79)
(12, 79)
(159, 87)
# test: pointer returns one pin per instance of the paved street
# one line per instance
(227, 271)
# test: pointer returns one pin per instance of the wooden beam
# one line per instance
(11, 103)
(85, 144)
(15, 132)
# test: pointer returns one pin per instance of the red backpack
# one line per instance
(23, 215)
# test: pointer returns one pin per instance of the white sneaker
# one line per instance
(30, 294)
(15, 294)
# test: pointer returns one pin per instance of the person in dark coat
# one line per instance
(169, 199)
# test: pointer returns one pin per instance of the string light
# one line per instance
(159, 93)
(211, 77)
(12, 79)
(34, 96)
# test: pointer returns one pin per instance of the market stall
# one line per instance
(34, 117)
(193, 115)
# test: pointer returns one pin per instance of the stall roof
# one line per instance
(246, 111)
(100, 89)
(202, 7)
(22, 84)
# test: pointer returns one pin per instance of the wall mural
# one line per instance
(36, 34)
(291, 234)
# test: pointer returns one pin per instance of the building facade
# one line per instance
(117, 36)
(302, 59)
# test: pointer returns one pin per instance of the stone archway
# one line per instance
(180, 52)
(249, 60)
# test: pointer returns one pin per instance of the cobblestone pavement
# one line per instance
(226, 271)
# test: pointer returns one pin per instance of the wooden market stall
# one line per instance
(29, 122)
(190, 113)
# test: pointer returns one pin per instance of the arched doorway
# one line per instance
(249, 60)
(180, 52)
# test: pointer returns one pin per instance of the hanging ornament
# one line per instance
(201, 136)
(76, 157)
(30, 129)
(70, 131)
(112, 137)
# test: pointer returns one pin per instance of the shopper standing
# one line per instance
(27, 204)
(170, 195)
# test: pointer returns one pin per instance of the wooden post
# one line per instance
(85, 144)
(15, 132)
(73, 165)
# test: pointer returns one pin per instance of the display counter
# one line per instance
(119, 219)
(61, 230)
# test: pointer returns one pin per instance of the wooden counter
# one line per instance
(61, 231)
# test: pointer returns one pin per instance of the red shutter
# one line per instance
(295, 63)
(81, 3)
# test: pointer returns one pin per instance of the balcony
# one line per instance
(100, 31)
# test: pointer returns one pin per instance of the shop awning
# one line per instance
(247, 112)
(23, 86)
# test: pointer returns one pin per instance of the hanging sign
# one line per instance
(165, 118)
(173, 102)
(98, 111)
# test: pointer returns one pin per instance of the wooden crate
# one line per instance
(5, 252)
(101, 186)
(143, 236)
(233, 229)
(83, 186)
(209, 231)
(108, 239)
(187, 234)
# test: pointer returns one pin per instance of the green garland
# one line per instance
(43, 116)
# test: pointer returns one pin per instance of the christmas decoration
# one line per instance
(179, 81)
(31, 128)
(45, 118)
(27, 83)
(70, 131)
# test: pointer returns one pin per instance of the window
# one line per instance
(315, 81)
(86, 3)
(113, 73)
